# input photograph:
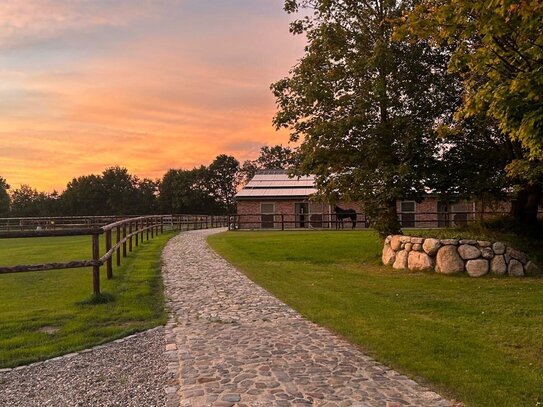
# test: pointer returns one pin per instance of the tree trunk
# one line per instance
(387, 220)
(524, 208)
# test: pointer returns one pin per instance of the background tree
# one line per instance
(4, 197)
(271, 157)
(498, 51)
(85, 195)
(364, 106)
(27, 201)
(223, 179)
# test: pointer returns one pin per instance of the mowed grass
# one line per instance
(46, 314)
(478, 340)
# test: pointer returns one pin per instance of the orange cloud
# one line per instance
(162, 94)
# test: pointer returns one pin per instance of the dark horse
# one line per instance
(344, 214)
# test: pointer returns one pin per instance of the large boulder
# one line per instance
(419, 261)
(498, 247)
(515, 254)
(395, 242)
(477, 268)
(468, 252)
(498, 265)
(448, 261)
(401, 260)
(516, 269)
(431, 246)
(389, 255)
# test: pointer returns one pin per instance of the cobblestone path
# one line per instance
(234, 344)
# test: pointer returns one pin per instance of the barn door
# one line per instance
(302, 210)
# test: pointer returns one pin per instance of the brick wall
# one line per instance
(249, 215)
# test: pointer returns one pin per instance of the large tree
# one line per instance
(364, 106)
(497, 48)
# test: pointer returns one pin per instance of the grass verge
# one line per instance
(478, 340)
(46, 314)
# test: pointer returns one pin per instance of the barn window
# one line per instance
(407, 214)
(267, 215)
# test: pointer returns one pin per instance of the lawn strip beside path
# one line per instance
(479, 340)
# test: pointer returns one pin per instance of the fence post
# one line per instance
(96, 266)
(137, 233)
(118, 247)
(282, 222)
(130, 238)
(152, 220)
(124, 237)
(147, 229)
(161, 225)
(109, 264)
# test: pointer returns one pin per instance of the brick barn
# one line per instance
(272, 200)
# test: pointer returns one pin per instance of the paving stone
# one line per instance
(239, 345)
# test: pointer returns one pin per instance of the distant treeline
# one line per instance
(205, 189)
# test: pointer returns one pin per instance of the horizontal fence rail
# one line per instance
(129, 232)
(428, 220)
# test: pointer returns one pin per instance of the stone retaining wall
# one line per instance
(448, 256)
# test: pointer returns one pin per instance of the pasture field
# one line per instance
(46, 314)
(477, 340)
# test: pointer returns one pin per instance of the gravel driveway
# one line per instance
(128, 372)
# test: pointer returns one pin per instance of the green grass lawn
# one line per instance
(478, 340)
(46, 314)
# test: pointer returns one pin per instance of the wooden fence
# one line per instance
(284, 221)
(128, 232)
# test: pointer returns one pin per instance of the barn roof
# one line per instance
(269, 184)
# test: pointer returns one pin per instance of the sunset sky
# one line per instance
(145, 84)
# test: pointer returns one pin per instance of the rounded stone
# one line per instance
(517, 255)
(417, 247)
(468, 252)
(431, 246)
(477, 268)
(468, 241)
(487, 253)
(401, 260)
(515, 269)
(449, 242)
(389, 255)
(498, 247)
(418, 261)
(405, 239)
(498, 265)
(417, 240)
(395, 243)
(483, 243)
(408, 246)
(448, 261)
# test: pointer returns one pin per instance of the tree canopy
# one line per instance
(497, 50)
(364, 106)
